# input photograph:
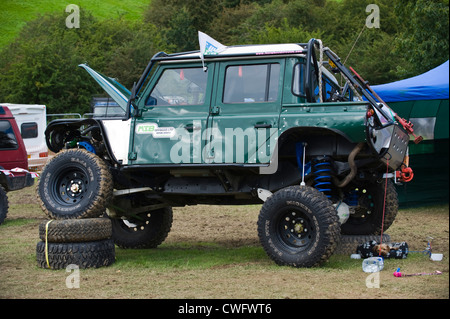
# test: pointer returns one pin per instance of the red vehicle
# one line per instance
(13, 160)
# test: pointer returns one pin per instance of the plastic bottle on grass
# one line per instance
(373, 264)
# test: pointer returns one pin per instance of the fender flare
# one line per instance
(71, 126)
(313, 132)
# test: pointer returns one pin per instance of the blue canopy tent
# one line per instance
(431, 85)
(424, 100)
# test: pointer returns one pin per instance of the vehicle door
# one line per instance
(173, 110)
(12, 148)
(245, 114)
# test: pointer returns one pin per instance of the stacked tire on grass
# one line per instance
(74, 187)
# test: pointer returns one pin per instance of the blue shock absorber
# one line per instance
(87, 146)
(322, 170)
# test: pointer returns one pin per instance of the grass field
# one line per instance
(14, 14)
(214, 252)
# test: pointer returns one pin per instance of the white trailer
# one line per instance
(32, 121)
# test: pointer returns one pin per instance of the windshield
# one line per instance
(331, 88)
(335, 90)
(7, 138)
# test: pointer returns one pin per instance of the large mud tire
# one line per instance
(3, 204)
(368, 218)
(92, 254)
(299, 227)
(75, 183)
(75, 230)
(147, 231)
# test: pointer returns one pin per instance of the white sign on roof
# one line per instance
(209, 46)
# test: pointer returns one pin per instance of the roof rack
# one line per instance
(240, 51)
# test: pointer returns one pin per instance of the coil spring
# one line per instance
(322, 170)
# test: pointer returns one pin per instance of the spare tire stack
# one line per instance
(86, 243)
(74, 187)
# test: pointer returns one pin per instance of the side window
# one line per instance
(251, 83)
(29, 130)
(179, 87)
(7, 138)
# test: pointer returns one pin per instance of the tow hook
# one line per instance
(404, 175)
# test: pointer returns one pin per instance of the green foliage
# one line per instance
(40, 65)
(283, 34)
(424, 37)
(181, 31)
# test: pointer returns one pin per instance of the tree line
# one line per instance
(40, 66)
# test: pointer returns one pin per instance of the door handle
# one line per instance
(192, 127)
(263, 125)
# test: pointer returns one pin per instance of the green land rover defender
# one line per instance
(287, 126)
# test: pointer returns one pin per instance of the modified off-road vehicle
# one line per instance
(275, 125)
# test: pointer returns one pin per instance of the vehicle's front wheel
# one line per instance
(147, 230)
(75, 183)
(3, 204)
(299, 227)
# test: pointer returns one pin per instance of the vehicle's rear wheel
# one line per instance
(298, 226)
(147, 230)
(366, 203)
(349, 243)
(75, 183)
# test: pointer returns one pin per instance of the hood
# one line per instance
(114, 89)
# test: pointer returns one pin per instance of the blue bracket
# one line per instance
(87, 146)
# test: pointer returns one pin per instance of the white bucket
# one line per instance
(436, 257)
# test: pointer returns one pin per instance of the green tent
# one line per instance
(423, 100)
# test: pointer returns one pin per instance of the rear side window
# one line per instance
(29, 130)
(8, 140)
(251, 83)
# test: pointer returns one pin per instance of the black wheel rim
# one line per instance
(295, 230)
(70, 186)
(139, 223)
(363, 204)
